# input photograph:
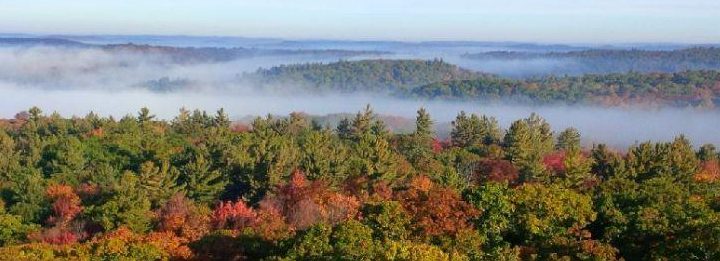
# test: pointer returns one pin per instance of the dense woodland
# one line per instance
(438, 80)
(682, 89)
(367, 76)
(616, 60)
(200, 187)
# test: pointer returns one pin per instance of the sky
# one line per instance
(552, 21)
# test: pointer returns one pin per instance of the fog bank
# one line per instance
(614, 126)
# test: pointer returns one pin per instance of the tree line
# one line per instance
(697, 89)
(615, 60)
(200, 187)
(438, 80)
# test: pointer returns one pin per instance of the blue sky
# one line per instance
(563, 21)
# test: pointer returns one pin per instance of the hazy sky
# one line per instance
(586, 21)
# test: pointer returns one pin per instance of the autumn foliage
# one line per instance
(435, 210)
(65, 206)
(286, 189)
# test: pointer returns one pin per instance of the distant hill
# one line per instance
(182, 54)
(40, 41)
(359, 76)
(613, 60)
(682, 89)
(214, 54)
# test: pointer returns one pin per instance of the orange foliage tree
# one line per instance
(435, 210)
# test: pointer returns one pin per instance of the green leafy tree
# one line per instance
(12, 229)
(388, 220)
(353, 241)
(495, 202)
(546, 213)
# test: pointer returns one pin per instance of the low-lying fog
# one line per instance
(76, 81)
(614, 126)
(93, 69)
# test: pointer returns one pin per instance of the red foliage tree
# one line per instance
(494, 170)
(65, 206)
(55, 235)
(555, 162)
(234, 215)
(304, 203)
(181, 217)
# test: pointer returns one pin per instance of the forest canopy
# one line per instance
(285, 188)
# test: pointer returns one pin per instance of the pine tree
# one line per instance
(160, 183)
(527, 141)
(200, 182)
(322, 157)
(374, 157)
(568, 139)
(144, 116)
(577, 169)
(343, 129)
(35, 114)
(424, 125)
(474, 130)
(606, 164)
(362, 123)
(221, 119)
(463, 133)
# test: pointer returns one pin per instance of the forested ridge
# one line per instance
(180, 55)
(617, 60)
(285, 188)
(218, 54)
(682, 89)
(383, 76)
(438, 80)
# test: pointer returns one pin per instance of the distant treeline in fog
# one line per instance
(442, 81)
(178, 54)
(614, 60)
(360, 76)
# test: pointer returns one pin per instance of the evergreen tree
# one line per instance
(424, 125)
(221, 119)
(463, 133)
(35, 114)
(343, 129)
(568, 139)
(144, 116)
(160, 183)
(526, 142)
(362, 123)
(474, 131)
(200, 182)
